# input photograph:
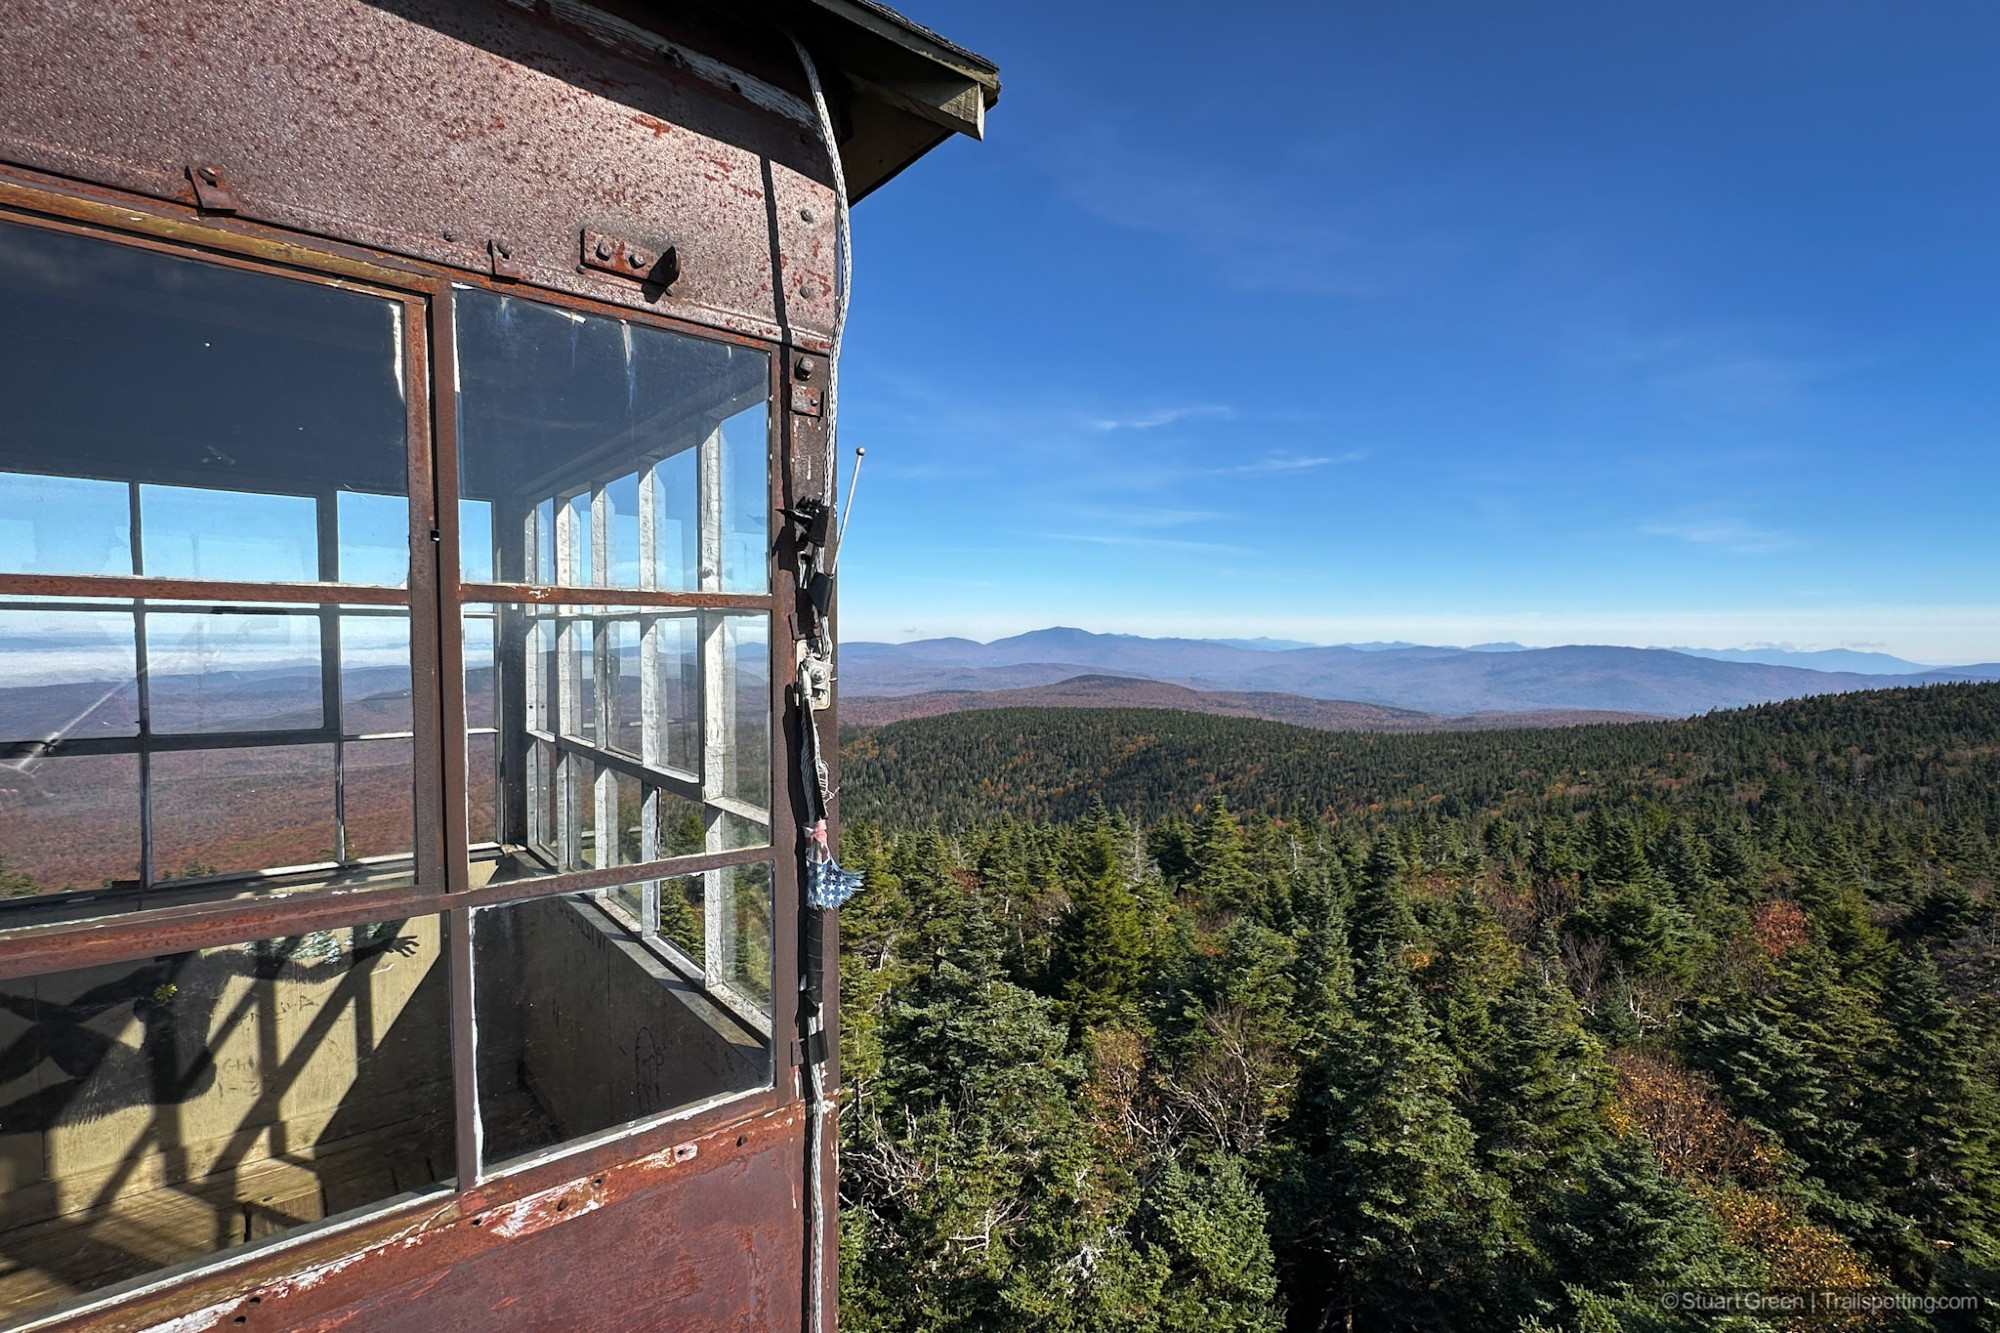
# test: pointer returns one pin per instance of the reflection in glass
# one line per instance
(746, 504)
(475, 536)
(374, 538)
(68, 823)
(676, 531)
(230, 397)
(158, 1111)
(561, 415)
(231, 671)
(64, 525)
(583, 1027)
(67, 675)
(191, 533)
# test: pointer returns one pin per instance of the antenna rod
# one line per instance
(840, 538)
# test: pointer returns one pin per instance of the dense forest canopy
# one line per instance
(1163, 1021)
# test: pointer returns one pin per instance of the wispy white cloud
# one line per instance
(1255, 228)
(1730, 534)
(1292, 463)
(1165, 416)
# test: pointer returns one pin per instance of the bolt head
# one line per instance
(604, 247)
(806, 367)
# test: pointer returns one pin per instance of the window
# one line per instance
(223, 685)
(171, 421)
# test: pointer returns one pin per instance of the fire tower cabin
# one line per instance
(411, 418)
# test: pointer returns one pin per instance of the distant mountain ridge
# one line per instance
(1448, 682)
(1101, 691)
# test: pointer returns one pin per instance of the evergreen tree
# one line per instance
(1101, 945)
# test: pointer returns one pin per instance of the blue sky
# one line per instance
(1557, 322)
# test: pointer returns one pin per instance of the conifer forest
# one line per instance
(1156, 1021)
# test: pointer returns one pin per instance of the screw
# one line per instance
(451, 236)
(210, 174)
(807, 215)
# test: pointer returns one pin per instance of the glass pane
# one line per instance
(673, 661)
(624, 707)
(483, 789)
(554, 406)
(231, 398)
(739, 834)
(158, 1111)
(681, 830)
(374, 532)
(378, 812)
(475, 538)
(552, 663)
(746, 501)
(681, 916)
(741, 712)
(742, 958)
(576, 675)
(583, 1027)
(67, 674)
(64, 525)
(480, 676)
(218, 812)
(574, 563)
(374, 674)
(624, 800)
(676, 534)
(68, 823)
(229, 671)
(191, 533)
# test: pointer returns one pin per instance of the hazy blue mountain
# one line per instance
(1263, 644)
(1448, 681)
(1828, 659)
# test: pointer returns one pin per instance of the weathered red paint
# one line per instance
(436, 128)
(696, 1233)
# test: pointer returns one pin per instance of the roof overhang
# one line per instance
(899, 89)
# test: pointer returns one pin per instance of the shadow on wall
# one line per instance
(152, 1113)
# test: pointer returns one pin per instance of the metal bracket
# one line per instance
(816, 679)
(614, 254)
(807, 401)
(212, 193)
(504, 263)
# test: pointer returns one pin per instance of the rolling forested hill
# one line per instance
(1939, 745)
(1156, 1021)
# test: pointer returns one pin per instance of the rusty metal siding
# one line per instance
(478, 134)
(702, 1233)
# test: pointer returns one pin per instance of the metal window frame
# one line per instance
(436, 597)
